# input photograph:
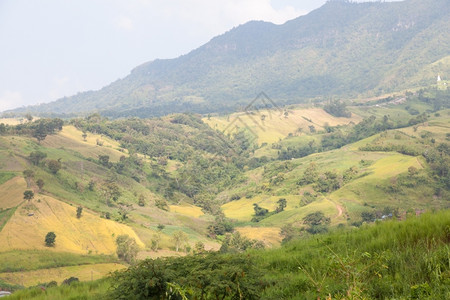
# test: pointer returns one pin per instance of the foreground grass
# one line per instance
(29, 260)
(42, 276)
(388, 260)
(94, 290)
(409, 259)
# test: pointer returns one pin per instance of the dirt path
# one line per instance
(340, 209)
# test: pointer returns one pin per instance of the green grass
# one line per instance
(5, 215)
(94, 290)
(28, 260)
(5, 176)
(386, 260)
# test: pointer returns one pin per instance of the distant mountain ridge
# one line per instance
(340, 49)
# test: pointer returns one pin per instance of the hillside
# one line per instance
(342, 49)
(389, 260)
(184, 184)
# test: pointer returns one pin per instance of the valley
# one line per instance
(303, 160)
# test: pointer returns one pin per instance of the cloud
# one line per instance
(10, 99)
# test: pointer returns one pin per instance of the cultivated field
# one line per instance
(33, 220)
(83, 273)
(275, 125)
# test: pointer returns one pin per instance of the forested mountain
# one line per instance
(340, 49)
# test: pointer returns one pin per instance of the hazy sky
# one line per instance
(55, 48)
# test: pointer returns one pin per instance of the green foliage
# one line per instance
(50, 239)
(179, 239)
(104, 160)
(220, 226)
(5, 176)
(260, 213)
(282, 203)
(317, 222)
(79, 211)
(92, 290)
(307, 198)
(54, 165)
(389, 260)
(235, 242)
(36, 157)
(29, 260)
(328, 182)
(337, 109)
(210, 276)
(40, 183)
(28, 195)
(127, 248)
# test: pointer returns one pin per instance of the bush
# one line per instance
(50, 239)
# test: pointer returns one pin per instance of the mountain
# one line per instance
(342, 49)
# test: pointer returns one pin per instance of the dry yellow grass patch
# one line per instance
(12, 121)
(83, 273)
(187, 210)
(11, 192)
(243, 210)
(90, 233)
(269, 235)
(275, 125)
(71, 138)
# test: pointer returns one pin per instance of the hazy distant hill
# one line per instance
(341, 49)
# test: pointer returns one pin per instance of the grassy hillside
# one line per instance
(270, 126)
(27, 228)
(185, 183)
(387, 260)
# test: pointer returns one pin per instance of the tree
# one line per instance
(104, 160)
(36, 157)
(127, 248)
(199, 247)
(79, 211)
(40, 132)
(124, 210)
(50, 239)
(259, 211)
(111, 191)
(29, 117)
(287, 232)
(156, 239)
(84, 135)
(54, 165)
(179, 238)
(29, 175)
(368, 216)
(161, 204)
(310, 175)
(40, 183)
(317, 222)
(316, 218)
(141, 201)
(28, 195)
(281, 205)
(91, 185)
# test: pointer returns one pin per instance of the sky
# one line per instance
(55, 48)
